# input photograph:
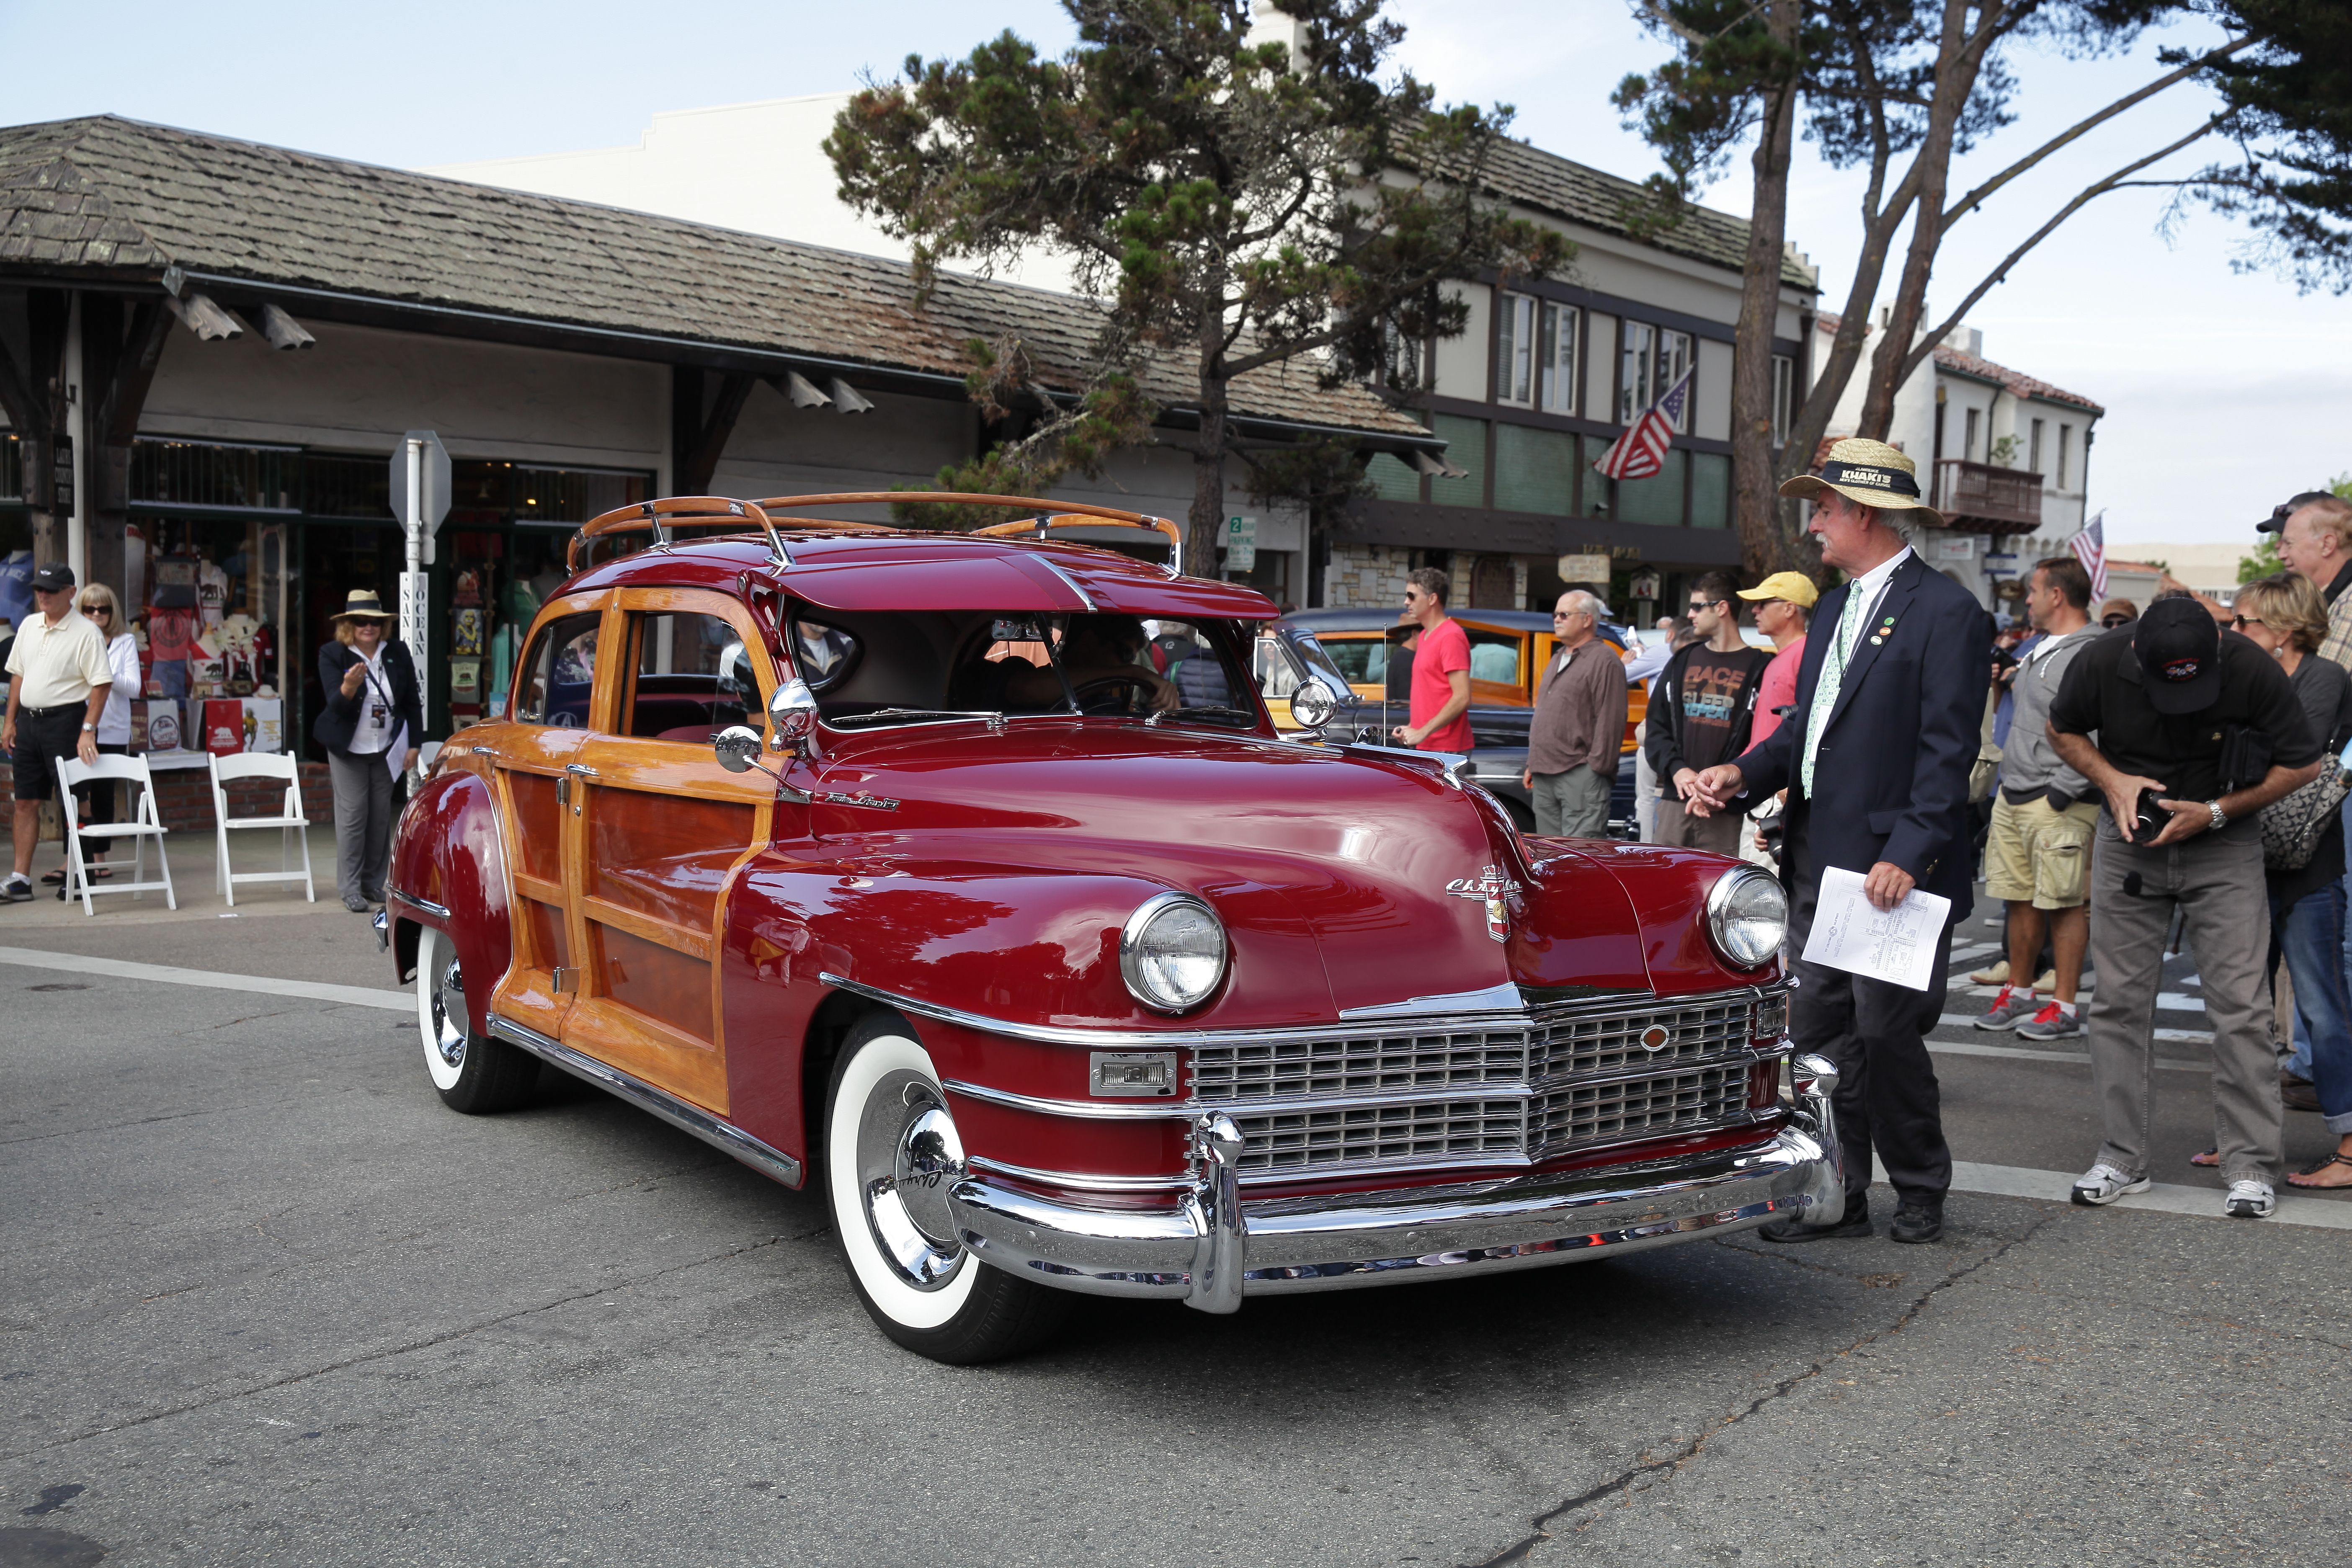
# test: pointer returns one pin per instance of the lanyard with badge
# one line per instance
(380, 708)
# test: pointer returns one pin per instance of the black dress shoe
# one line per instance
(1917, 1223)
(1855, 1222)
(2297, 1094)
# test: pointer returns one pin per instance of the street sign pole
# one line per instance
(413, 599)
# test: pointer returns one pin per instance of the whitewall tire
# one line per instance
(470, 1073)
(892, 1153)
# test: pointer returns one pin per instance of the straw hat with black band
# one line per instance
(1867, 473)
(362, 605)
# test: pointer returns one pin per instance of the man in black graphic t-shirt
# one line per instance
(1701, 714)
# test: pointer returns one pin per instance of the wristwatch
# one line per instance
(89, 729)
(2221, 817)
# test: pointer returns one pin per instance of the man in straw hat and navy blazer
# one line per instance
(1876, 759)
(372, 725)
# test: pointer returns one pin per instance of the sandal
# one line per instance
(2211, 1158)
(2296, 1179)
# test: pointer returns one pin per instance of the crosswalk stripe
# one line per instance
(2163, 1197)
(121, 969)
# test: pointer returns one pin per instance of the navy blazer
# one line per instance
(1891, 774)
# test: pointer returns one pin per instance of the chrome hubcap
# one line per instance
(449, 1015)
(908, 1155)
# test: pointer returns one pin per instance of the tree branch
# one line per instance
(1976, 198)
(1926, 345)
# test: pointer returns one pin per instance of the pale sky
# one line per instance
(2224, 392)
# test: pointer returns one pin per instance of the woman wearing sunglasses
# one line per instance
(98, 603)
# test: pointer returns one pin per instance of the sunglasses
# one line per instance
(2112, 622)
(2240, 623)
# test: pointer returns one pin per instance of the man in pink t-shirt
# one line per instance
(1441, 668)
(1782, 602)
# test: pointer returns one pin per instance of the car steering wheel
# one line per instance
(1115, 694)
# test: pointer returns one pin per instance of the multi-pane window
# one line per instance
(2066, 435)
(1655, 358)
(1969, 440)
(1556, 359)
(1784, 398)
(1515, 350)
(2033, 448)
(1637, 385)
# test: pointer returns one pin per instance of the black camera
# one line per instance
(2148, 818)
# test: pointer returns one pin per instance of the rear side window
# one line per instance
(1495, 655)
(694, 677)
(1364, 661)
(558, 673)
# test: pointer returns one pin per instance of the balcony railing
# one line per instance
(1977, 497)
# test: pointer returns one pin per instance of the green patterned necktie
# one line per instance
(1833, 663)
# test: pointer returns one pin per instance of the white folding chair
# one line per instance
(143, 826)
(292, 826)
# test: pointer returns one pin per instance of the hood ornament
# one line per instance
(1495, 887)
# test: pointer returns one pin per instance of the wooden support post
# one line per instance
(698, 437)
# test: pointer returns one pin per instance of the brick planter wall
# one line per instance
(184, 796)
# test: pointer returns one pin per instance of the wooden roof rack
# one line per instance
(1052, 514)
(655, 517)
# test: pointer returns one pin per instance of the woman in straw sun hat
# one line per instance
(371, 724)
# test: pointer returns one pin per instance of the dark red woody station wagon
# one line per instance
(966, 875)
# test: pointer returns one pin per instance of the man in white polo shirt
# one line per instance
(58, 685)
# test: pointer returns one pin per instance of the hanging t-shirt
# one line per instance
(16, 587)
(1714, 686)
(212, 593)
(171, 635)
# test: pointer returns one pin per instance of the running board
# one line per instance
(687, 1116)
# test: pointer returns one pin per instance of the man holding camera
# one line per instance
(2198, 731)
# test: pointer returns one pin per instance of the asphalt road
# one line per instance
(266, 1301)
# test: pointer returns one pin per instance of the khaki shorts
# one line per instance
(2039, 856)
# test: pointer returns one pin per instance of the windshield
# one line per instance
(873, 668)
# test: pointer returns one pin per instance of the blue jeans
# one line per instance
(2311, 936)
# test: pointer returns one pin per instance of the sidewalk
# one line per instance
(272, 931)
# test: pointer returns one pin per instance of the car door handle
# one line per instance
(582, 769)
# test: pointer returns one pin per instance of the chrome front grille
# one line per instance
(1489, 1092)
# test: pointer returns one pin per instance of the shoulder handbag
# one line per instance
(2292, 826)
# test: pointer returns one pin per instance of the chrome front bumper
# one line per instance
(1211, 1248)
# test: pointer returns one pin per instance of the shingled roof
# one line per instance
(1548, 183)
(130, 200)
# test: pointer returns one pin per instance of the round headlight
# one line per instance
(1173, 953)
(1312, 704)
(1747, 915)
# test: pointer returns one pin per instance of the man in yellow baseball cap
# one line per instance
(1781, 601)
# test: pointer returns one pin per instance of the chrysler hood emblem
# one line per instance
(1494, 887)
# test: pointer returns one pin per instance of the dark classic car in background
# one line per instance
(1509, 652)
(893, 861)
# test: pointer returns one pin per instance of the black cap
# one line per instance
(2178, 644)
(2276, 522)
(57, 577)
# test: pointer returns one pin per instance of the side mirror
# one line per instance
(738, 745)
(792, 719)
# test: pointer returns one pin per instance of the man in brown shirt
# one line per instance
(1579, 725)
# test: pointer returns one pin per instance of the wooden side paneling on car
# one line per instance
(662, 830)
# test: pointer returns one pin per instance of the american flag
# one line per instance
(1640, 452)
(2090, 547)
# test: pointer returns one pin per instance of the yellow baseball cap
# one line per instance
(1793, 586)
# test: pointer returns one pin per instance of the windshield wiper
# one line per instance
(906, 715)
(1206, 712)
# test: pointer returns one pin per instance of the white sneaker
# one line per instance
(2102, 1183)
(2248, 1200)
(1995, 974)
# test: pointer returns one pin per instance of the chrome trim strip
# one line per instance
(1079, 1181)
(723, 1136)
(428, 905)
(1093, 1110)
(1351, 1026)
(1068, 582)
(1502, 998)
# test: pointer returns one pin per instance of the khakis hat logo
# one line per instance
(1868, 473)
